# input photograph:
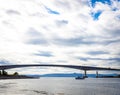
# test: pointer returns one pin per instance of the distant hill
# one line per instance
(61, 75)
(71, 75)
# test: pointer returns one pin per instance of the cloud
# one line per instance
(44, 53)
(4, 62)
(35, 37)
(84, 41)
(82, 32)
(104, 59)
(36, 41)
(97, 52)
(10, 12)
(61, 22)
(69, 42)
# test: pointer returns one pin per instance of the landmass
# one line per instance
(15, 77)
(5, 75)
(110, 76)
(81, 75)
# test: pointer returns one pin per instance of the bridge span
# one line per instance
(85, 68)
(4, 67)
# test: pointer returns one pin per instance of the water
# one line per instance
(60, 86)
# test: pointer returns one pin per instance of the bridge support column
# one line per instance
(85, 73)
(3, 72)
(97, 74)
(0, 72)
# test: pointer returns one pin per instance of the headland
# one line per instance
(15, 75)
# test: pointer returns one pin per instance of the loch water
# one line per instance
(60, 86)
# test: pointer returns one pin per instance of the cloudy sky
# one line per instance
(75, 32)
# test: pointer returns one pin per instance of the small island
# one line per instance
(15, 75)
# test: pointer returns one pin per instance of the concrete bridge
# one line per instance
(85, 68)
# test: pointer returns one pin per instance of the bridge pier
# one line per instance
(97, 74)
(3, 72)
(0, 72)
(85, 73)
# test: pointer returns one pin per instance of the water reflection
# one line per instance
(60, 86)
(41, 92)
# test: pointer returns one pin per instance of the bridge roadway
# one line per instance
(85, 68)
(4, 67)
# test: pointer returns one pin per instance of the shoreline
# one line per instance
(17, 77)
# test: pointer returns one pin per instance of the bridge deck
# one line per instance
(4, 67)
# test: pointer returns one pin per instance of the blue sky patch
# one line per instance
(93, 2)
(96, 15)
(52, 11)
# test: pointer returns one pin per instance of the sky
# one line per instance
(70, 32)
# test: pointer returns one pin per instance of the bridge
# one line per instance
(84, 68)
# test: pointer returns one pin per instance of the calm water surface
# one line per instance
(60, 86)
